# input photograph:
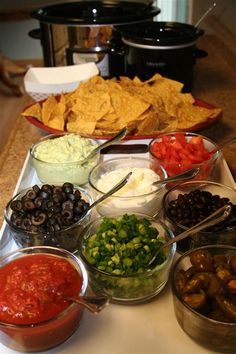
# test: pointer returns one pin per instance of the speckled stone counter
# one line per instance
(215, 83)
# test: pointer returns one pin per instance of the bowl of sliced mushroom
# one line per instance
(203, 282)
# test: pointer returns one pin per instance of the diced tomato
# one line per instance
(180, 154)
(180, 138)
(166, 139)
(176, 145)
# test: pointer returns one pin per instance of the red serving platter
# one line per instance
(195, 128)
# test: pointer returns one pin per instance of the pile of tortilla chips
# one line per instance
(103, 107)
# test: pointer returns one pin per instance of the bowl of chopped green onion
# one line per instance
(116, 251)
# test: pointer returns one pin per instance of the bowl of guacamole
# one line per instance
(58, 158)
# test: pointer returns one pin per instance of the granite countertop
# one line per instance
(215, 83)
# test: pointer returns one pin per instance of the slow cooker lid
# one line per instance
(96, 13)
(161, 33)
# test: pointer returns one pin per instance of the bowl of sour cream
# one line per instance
(138, 195)
(57, 158)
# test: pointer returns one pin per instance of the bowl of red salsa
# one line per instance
(34, 285)
(181, 151)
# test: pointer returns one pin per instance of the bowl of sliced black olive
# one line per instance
(188, 203)
(203, 282)
(48, 215)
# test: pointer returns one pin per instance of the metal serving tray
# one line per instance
(148, 328)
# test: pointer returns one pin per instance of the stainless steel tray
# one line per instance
(120, 329)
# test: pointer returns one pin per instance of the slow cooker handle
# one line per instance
(199, 53)
(35, 33)
(199, 32)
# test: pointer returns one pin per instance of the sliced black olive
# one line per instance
(57, 198)
(16, 205)
(57, 190)
(67, 213)
(46, 188)
(26, 222)
(28, 204)
(68, 188)
(33, 228)
(68, 204)
(39, 220)
(71, 196)
(77, 194)
(38, 202)
(31, 194)
(44, 194)
(36, 188)
(18, 221)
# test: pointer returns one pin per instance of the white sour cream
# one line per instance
(140, 182)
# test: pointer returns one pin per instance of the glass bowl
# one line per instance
(176, 158)
(57, 158)
(25, 235)
(33, 334)
(203, 320)
(139, 286)
(184, 206)
(138, 195)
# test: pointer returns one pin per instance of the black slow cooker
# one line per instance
(167, 48)
(80, 32)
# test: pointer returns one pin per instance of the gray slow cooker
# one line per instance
(80, 32)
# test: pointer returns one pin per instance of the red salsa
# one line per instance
(33, 288)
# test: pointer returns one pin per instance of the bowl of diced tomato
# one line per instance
(181, 151)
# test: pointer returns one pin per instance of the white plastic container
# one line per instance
(41, 82)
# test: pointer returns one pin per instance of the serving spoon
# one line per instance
(114, 189)
(226, 142)
(214, 218)
(182, 176)
(93, 303)
(117, 137)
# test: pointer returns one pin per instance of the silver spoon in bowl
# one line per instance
(214, 218)
(182, 176)
(93, 303)
(226, 142)
(117, 137)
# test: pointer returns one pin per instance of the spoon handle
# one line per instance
(227, 142)
(117, 137)
(182, 176)
(93, 303)
(114, 189)
(216, 217)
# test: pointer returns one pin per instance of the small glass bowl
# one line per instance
(59, 172)
(214, 334)
(50, 333)
(173, 167)
(66, 238)
(147, 203)
(223, 236)
(133, 289)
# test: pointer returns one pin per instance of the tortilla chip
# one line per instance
(106, 106)
(33, 111)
